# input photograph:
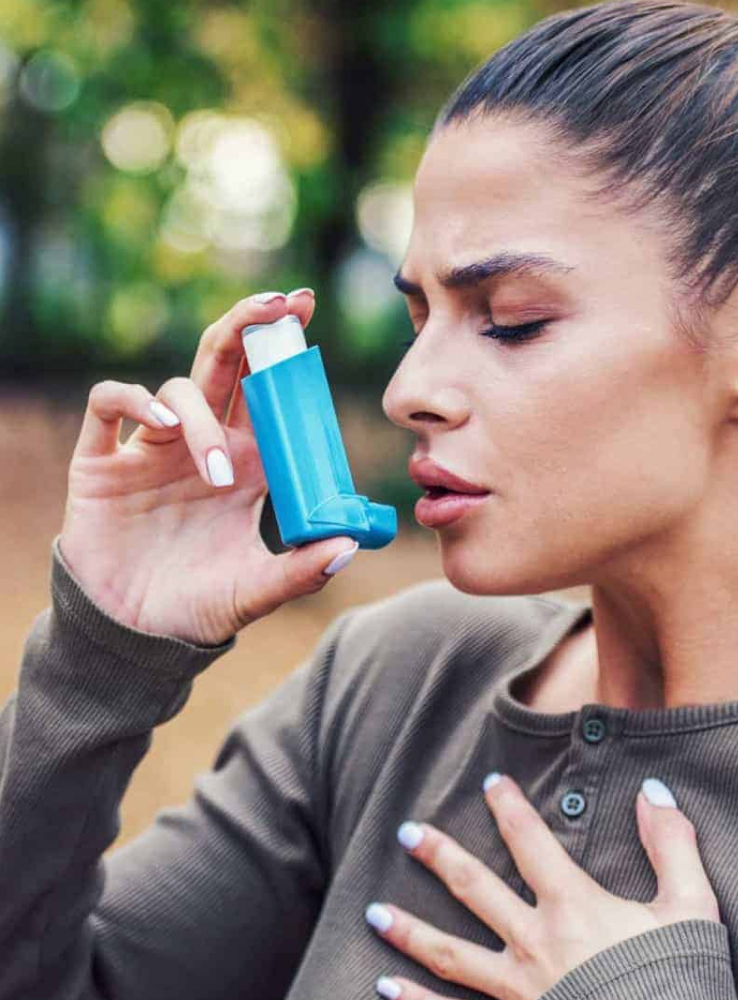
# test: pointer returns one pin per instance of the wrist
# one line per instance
(163, 653)
(100, 594)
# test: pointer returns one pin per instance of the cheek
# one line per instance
(598, 444)
(633, 391)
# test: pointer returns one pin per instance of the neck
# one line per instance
(663, 653)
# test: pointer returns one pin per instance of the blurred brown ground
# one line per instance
(37, 436)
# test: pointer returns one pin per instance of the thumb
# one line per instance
(308, 567)
(281, 578)
(670, 841)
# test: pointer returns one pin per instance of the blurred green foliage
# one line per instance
(161, 161)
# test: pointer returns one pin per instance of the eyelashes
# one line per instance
(525, 331)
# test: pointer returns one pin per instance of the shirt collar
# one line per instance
(626, 721)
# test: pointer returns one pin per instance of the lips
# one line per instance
(438, 480)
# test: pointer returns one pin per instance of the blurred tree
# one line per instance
(161, 161)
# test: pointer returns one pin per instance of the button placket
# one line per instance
(591, 738)
(593, 729)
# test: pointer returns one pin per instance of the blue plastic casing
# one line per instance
(304, 458)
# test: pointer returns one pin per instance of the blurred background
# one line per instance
(158, 162)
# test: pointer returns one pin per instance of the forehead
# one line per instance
(490, 183)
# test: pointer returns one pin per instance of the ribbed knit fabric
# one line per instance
(256, 888)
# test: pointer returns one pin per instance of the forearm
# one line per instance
(90, 692)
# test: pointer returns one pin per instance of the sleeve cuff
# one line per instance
(166, 655)
(687, 960)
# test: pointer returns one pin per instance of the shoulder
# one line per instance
(393, 655)
(434, 623)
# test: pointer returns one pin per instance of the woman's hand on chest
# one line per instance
(574, 917)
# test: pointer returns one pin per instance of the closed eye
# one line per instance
(525, 331)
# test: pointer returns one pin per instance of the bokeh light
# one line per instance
(238, 194)
(384, 214)
(137, 313)
(364, 285)
(184, 222)
(59, 261)
(50, 80)
(138, 138)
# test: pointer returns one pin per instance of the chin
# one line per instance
(467, 568)
(475, 569)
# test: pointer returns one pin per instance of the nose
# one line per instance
(420, 394)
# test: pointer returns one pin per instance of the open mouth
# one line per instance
(440, 491)
(440, 506)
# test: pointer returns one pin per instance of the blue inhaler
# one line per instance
(299, 440)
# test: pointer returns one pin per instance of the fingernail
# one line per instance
(219, 468)
(163, 414)
(341, 560)
(491, 780)
(378, 916)
(657, 793)
(268, 296)
(299, 291)
(387, 987)
(410, 834)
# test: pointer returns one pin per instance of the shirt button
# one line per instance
(594, 730)
(573, 804)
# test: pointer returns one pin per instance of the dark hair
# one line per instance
(644, 93)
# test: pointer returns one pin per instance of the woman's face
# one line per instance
(596, 433)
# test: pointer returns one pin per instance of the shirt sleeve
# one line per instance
(223, 890)
(687, 960)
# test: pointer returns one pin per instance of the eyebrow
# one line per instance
(506, 262)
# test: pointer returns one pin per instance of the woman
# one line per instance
(570, 278)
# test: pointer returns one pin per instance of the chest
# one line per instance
(346, 956)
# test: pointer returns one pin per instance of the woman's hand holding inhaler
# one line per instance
(162, 531)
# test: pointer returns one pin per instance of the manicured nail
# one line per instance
(410, 834)
(491, 779)
(163, 414)
(341, 560)
(268, 296)
(657, 793)
(219, 468)
(299, 291)
(387, 987)
(378, 916)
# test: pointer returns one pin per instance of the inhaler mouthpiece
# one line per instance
(267, 343)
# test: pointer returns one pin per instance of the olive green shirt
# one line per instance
(256, 888)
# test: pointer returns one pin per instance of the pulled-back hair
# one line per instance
(643, 93)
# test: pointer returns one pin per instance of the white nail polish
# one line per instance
(378, 916)
(387, 987)
(219, 468)
(163, 414)
(657, 793)
(267, 296)
(341, 560)
(491, 780)
(410, 834)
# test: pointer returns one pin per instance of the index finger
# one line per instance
(468, 879)
(218, 361)
(540, 858)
